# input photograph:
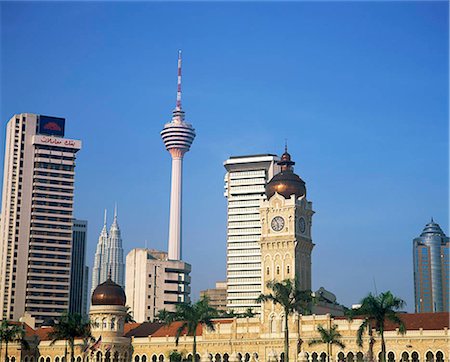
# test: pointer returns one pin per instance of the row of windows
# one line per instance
(53, 182)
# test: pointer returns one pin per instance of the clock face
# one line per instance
(302, 225)
(277, 223)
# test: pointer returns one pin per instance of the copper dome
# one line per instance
(286, 183)
(108, 293)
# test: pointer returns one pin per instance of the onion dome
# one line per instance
(432, 229)
(286, 182)
(108, 293)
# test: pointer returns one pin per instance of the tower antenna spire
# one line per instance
(104, 218)
(285, 145)
(178, 105)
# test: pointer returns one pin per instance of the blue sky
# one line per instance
(359, 89)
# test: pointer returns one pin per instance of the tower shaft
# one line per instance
(175, 207)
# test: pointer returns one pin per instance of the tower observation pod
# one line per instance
(177, 136)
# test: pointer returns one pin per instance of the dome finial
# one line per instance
(432, 221)
(109, 273)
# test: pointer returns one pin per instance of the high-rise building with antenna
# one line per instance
(177, 136)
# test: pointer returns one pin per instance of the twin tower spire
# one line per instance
(108, 260)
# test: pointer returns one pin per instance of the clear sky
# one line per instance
(359, 89)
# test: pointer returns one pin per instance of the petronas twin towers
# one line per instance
(108, 259)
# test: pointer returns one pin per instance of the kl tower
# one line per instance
(177, 136)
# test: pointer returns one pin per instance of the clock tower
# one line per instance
(286, 242)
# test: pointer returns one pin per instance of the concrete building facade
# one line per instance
(217, 296)
(36, 224)
(431, 270)
(245, 183)
(154, 282)
(79, 272)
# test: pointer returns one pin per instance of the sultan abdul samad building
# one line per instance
(285, 251)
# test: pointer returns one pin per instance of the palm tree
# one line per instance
(69, 327)
(291, 299)
(129, 318)
(11, 332)
(190, 316)
(377, 310)
(329, 336)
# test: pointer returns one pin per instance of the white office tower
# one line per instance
(36, 224)
(108, 260)
(245, 183)
(154, 283)
(177, 136)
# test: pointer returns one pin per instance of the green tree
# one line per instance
(69, 327)
(9, 333)
(376, 310)
(190, 316)
(291, 299)
(329, 337)
(129, 318)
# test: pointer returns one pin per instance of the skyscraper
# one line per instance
(245, 183)
(79, 270)
(431, 270)
(153, 283)
(108, 258)
(177, 136)
(36, 224)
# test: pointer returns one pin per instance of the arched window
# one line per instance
(197, 357)
(116, 356)
(391, 357)
(323, 357)
(154, 358)
(429, 356)
(350, 357)
(341, 357)
(288, 269)
(161, 358)
(225, 357)
(415, 357)
(78, 359)
(239, 357)
(25, 359)
(108, 356)
(104, 323)
(113, 323)
(359, 357)
(217, 358)
(282, 357)
(136, 358)
(380, 356)
(13, 359)
(272, 325)
(41, 359)
(439, 357)
(314, 357)
(56, 359)
(247, 357)
(405, 357)
(99, 356)
(144, 358)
